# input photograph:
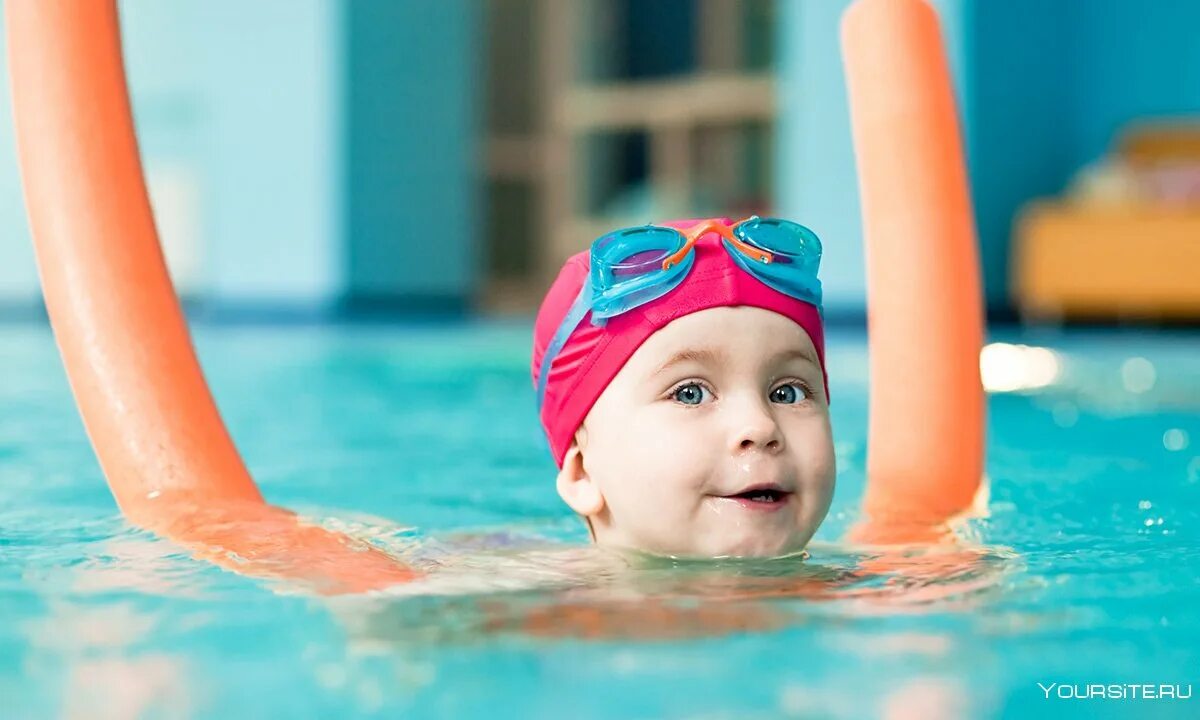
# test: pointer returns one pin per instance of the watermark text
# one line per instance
(1116, 691)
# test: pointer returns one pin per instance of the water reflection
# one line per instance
(92, 650)
(594, 594)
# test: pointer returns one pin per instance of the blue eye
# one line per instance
(690, 394)
(789, 394)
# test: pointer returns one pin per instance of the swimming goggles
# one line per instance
(635, 266)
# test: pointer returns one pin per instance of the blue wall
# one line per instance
(237, 116)
(1053, 84)
(293, 147)
(413, 145)
(241, 99)
(1020, 122)
(1134, 59)
(244, 113)
(1043, 87)
(816, 177)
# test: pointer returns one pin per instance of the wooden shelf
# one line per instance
(689, 123)
(686, 102)
(514, 157)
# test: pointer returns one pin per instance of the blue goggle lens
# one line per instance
(627, 268)
(635, 251)
(790, 242)
(797, 256)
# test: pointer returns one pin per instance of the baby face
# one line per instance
(713, 440)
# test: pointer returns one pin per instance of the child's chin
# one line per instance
(758, 547)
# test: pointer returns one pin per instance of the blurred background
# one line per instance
(314, 159)
(315, 163)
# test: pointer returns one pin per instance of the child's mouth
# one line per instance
(760, 498)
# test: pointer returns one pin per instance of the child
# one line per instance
(681, 383)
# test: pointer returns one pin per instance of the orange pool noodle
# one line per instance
(925, 316)
(118, 324)
(148, 412)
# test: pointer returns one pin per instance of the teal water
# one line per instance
(424, 441)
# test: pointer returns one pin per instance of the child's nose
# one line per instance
(755, 428)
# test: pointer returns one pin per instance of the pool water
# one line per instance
(423, 439)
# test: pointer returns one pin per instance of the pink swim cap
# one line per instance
(592, 356)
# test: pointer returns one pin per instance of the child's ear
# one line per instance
(575, 486)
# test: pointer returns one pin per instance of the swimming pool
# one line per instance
(1088, 573)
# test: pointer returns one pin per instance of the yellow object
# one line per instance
(1127, 261)
(1127, 245)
